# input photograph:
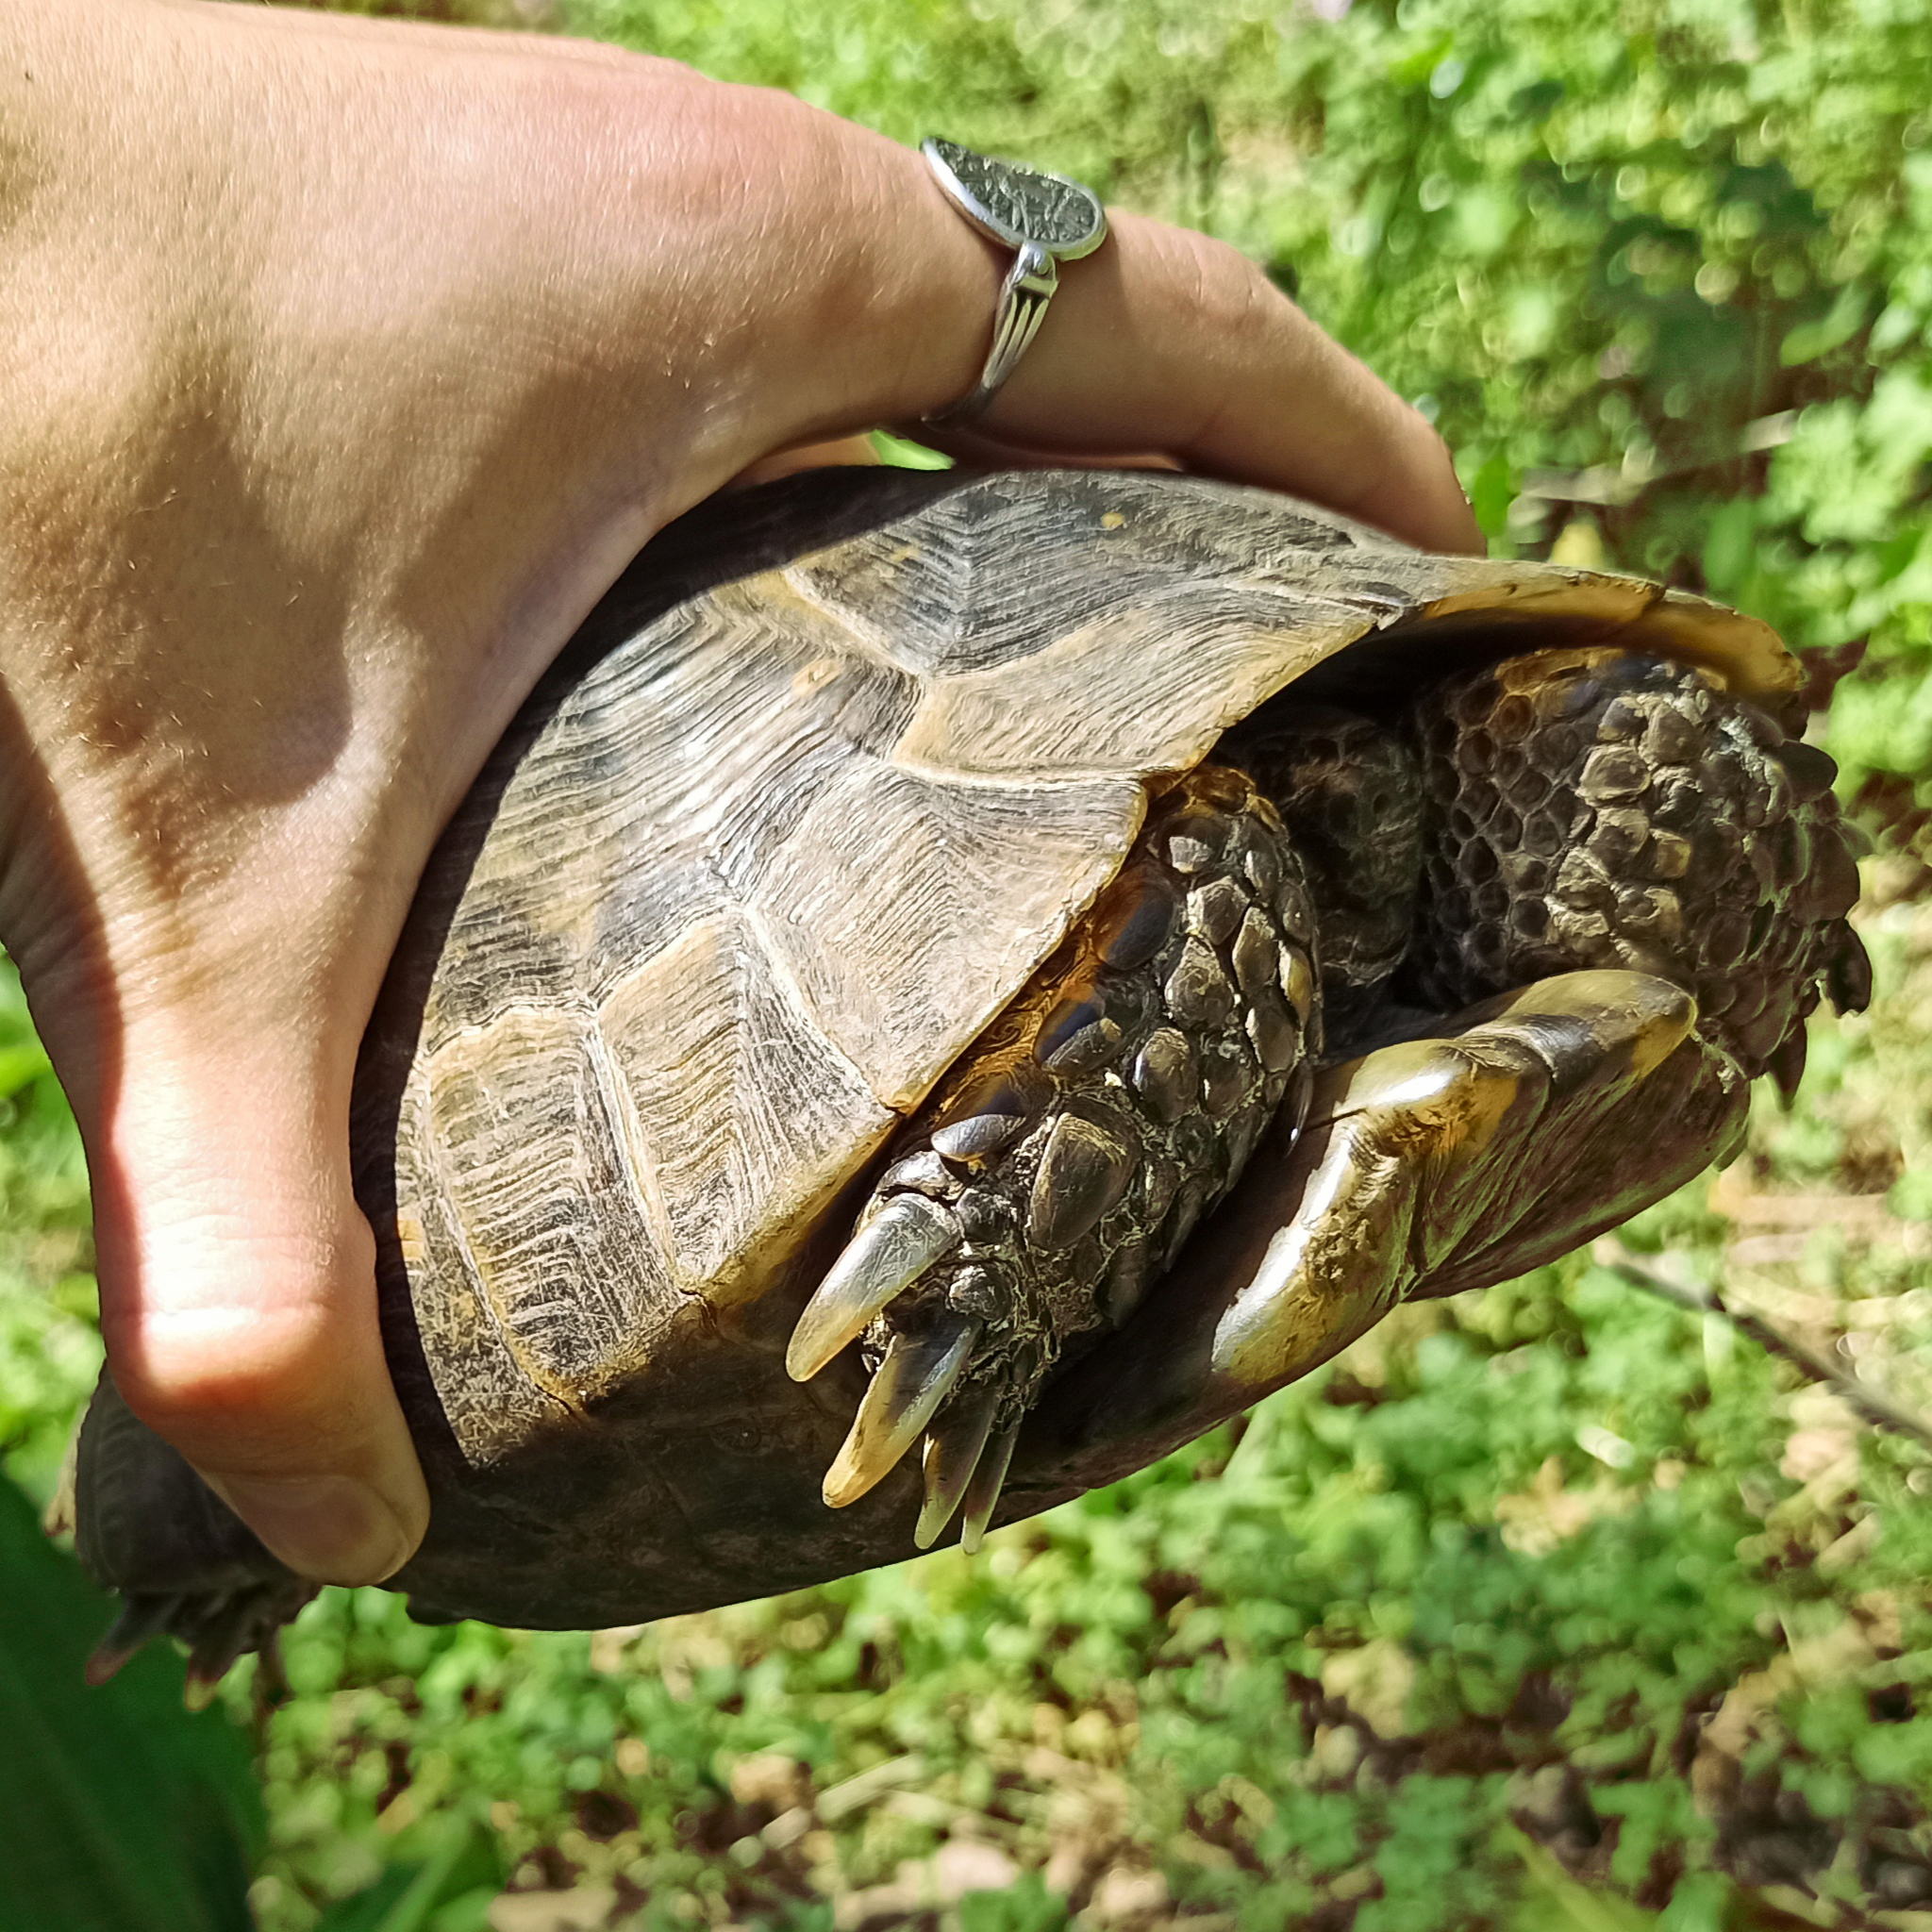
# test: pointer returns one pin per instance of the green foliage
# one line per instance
(1172, 1656)
(1308, 1660)
(119, 1813)
(50, 1349)
(450, 1890)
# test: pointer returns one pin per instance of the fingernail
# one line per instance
(330, 1527)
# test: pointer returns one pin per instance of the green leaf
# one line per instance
(1492, 489)
(1730, 546)
(1025, 1906)
(1911, 1197)
(902, 453)
(20, 1066)
(1837, 326)
(1553, 1902)
(369, 1910)
(119, 1810)
(449, 1891)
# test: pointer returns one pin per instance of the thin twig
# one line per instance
(1882, 1411)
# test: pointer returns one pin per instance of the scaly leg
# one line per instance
(1059, 1168)
(184, 1563)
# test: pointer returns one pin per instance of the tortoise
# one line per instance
(1025, 963)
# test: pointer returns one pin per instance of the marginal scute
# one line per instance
(555, 1232)
(483, 1386)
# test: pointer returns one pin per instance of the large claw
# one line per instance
(983, 1491)
(1419, 1157)
(142, 1617)
(887, 1255)
(919, 1372)
(953, 1450)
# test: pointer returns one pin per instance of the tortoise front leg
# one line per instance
(185, 1564)
(1525, 1126)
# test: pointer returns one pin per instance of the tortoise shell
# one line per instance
(827, 775)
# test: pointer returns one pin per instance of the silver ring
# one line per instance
(1044, 219)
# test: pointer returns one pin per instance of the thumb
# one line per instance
(238, 1283)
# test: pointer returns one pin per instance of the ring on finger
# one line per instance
(1044, 219)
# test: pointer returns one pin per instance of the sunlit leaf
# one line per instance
(119, 1810)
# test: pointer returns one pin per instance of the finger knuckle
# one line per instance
(1233, 298)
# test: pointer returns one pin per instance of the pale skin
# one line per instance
(348, 362)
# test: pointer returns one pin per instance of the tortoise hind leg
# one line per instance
(1055, 1174)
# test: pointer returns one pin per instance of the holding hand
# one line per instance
(350, 364)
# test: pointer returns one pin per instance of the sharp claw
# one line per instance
(140, 1618)
(231, 1628)
(198, 1692)
(1787, 1065)
(890, 1253)
(983, 1492)
(918, 1373)
(953, 1447)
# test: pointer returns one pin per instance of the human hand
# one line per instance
(350, 362)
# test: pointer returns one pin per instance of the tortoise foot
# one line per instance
(183, 1564)
(218, 1626)
(1056, 1173)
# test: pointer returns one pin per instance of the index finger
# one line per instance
(1170, 340)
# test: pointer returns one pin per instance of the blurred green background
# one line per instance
(1552, 1608)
